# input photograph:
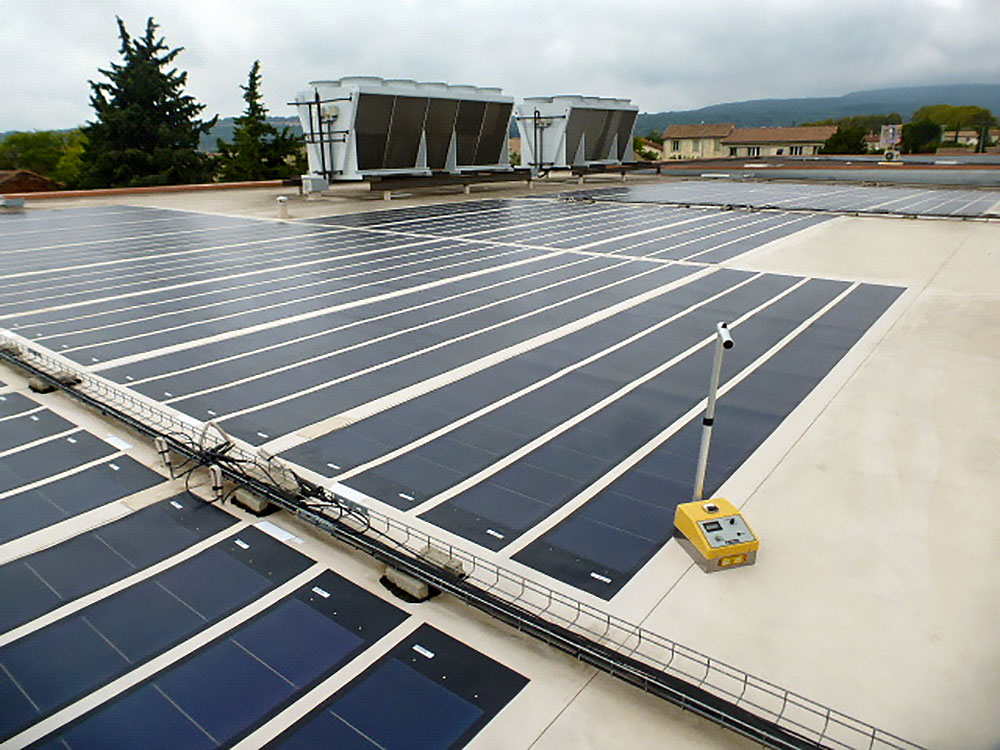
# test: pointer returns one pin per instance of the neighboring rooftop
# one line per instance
(24, 181)
(703, 130)
(801, 134)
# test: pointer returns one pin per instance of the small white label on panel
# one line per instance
(262, 435)
(34, 417)
(497, 534)
(321, 592)
(423, 651)
(168, 394)
(406, 497)
(129, 377)
(71, 440)
(114, 467)
(599, 577)
(334, 466)
(241, 543)
(213, 413)
(176, 504)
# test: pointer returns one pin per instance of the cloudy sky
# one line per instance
(663, 55)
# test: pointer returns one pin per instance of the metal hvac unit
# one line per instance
(365, 126)
(559, 132)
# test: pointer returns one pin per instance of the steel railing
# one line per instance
(749, 705)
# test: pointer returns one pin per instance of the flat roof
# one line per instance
(867, 595)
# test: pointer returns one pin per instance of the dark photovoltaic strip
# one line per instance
(49, 458)
(29, 428)
(223, 690)
(51, 502)
(423, 472)
(52, 667)
(12, 404)
(367, 439)
(617, 531)
(38, 583)
(508, 503)
(654, 232)
(273, 420)
(390, 705)
(924, 201)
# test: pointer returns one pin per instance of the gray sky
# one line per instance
(663, 55)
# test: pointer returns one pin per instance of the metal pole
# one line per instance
(723, 341)
(312, 133)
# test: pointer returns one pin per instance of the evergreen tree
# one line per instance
(847, 140)
(258, 151)
(147, 129)
(922, 136)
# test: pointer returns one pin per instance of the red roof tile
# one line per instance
(704, 130)
(802, 134)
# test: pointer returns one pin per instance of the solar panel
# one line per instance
(390, 705)
(477, 367)
(40, 582)
(907, 201)
(530, 336)
(225, 689)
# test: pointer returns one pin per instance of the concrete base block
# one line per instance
(253, 503)
(40, 386)
(414, 589)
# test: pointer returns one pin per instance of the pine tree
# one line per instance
(147, 129)
(258, 151)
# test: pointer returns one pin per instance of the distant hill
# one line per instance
(773, 112)
(226, 126)
(770, 112)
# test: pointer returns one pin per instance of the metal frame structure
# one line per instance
(363, 126)
(563, 132)
(748, 705)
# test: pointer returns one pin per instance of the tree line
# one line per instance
(928, 129)
(146, 130)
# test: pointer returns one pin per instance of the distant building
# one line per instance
(961, 137)
(872, 142)
(799, 141)
(23, 181)
(651, 146)
(514, 146)
(890, 136)
(696, 141)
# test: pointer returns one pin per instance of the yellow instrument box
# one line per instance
(715, 535)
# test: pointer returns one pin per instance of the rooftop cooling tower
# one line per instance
(365, 126)
(574, 131)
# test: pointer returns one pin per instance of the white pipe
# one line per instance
(723, 341)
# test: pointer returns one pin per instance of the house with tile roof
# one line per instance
(702, 141)
(804, 140)
(961, 137)
(24, 181)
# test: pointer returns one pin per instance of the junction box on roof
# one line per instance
(364, 126)
(560, 132)
(715, 535)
